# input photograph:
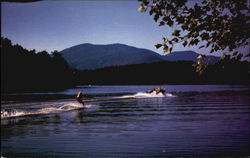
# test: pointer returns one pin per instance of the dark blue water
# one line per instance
(123, 121)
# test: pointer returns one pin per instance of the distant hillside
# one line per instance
(188, 56)
(90, 56)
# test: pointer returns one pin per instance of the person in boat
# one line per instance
(151, 90)
(79, 97)
(160, 90)
(157, 90)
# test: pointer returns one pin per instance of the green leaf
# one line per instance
(158, 45)
(145, 2)
(156, 17)
(196, 41)
(165, 49)
(175, 40)
(204, 2)
(204, 36)
(142, 8)
(202, 46)
(166, 18)
(208, 44)
(170, 49)
(151, 11)
(161, 23)
(180, 20)
(212, 50)
(165, 40)
(185, 43)
(170, 23)
(184, 26)
(176, 33)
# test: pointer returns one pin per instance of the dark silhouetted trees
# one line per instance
(175, 72)
(24, 70)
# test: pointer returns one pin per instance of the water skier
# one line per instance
(79, 97)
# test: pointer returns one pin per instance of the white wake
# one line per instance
(148, 95)
(8, 113)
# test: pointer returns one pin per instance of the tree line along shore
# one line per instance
(25, 70)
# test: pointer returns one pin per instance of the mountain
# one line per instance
(189, 56)
(181, 55)
(90, 56)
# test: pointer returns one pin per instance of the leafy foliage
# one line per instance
(221, 25)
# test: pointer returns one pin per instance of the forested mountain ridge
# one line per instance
(89, 56)
(189, 56)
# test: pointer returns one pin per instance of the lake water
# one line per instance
(124, 121)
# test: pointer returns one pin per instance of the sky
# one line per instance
(56, 25)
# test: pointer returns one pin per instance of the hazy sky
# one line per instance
(56, 25)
